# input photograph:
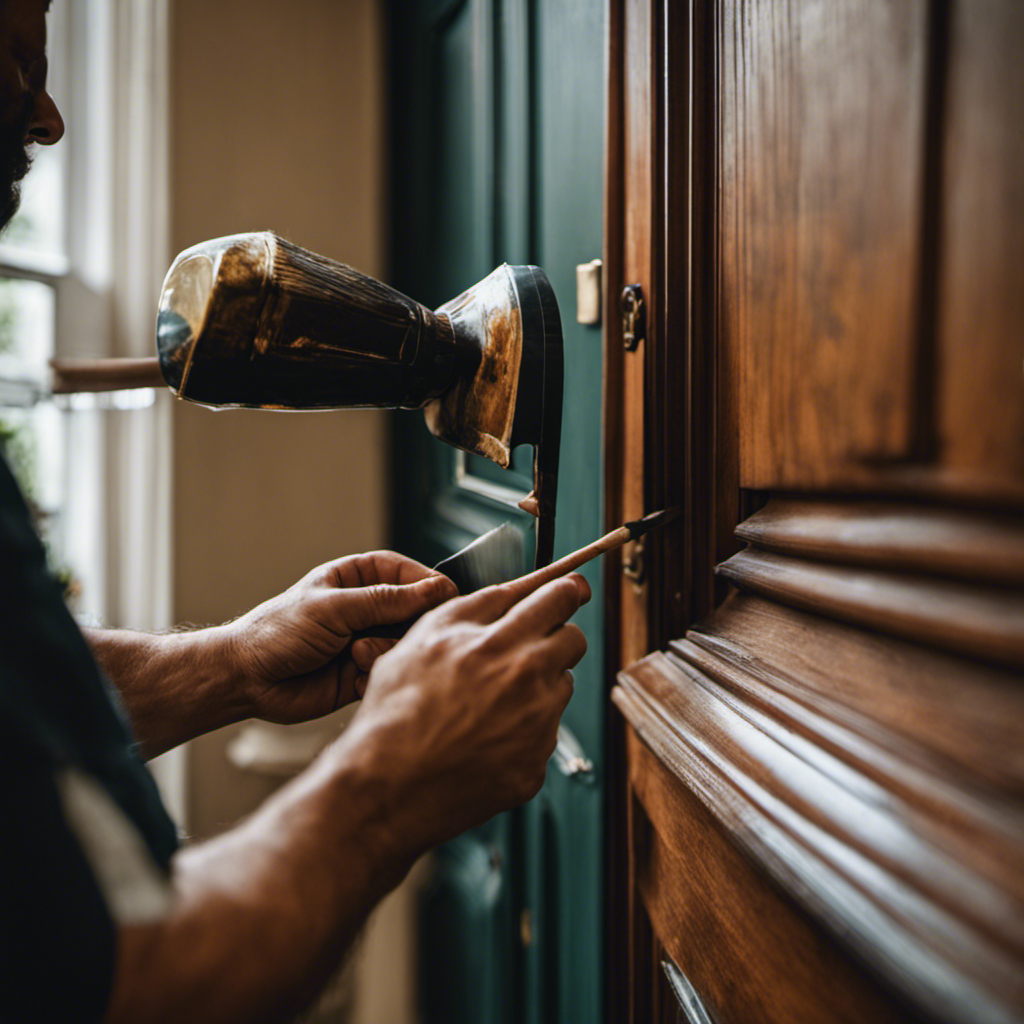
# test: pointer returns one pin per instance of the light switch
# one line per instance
(588, 292)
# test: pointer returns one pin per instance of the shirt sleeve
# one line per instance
(58, 935)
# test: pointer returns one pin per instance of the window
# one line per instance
(73, 282)
(80, 272)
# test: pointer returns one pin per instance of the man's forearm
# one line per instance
(457, 724)
(265, 912)
(174, 686)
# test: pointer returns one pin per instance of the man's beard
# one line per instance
(14, 162)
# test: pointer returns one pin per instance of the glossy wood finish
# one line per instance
(660, 398)
(823, 790)
(981, 621)
(822, 119)
(930, 539)
(928, 708)
(925, 883)
(640, 155)
(980, 400)
(751, 955)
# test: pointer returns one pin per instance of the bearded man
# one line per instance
(104, 917)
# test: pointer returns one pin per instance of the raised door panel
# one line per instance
(870, 279)
(747, 952)
(980, 354)
(821, 125)
(875, 781)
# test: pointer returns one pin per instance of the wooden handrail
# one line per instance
(76, 375)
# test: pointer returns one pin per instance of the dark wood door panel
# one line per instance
(823, 779)
(876, 780)
(749, 953)
(929, 710)
(871, 233)
(821, 125)
(980, 399)
(937, 540)
(919, 879)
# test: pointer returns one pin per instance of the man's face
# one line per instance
(27, 113)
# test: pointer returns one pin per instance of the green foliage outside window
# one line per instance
(8, 318)
(18, 441)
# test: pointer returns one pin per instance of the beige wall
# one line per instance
(277, 122)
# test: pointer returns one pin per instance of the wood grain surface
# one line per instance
(986, 622)
(824, 792)
(939, 541)
(639, 165)
(879, 868)
(749, 952)
(951, 715)
(980, 401)
(822, 124)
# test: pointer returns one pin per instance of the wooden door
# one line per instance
(820, 677)
(497, 156)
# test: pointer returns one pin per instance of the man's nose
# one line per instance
(46, 126)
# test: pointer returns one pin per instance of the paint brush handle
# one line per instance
(609, 542)
(523, 586)
(569, 563)
(74, 375)
(527, 584)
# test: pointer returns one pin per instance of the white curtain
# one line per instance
(115, 99)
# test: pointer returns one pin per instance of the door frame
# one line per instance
(667, 413)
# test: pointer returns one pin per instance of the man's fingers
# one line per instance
(564, 689)
(491, 603)
(484, 606)
(523, 586)
(544, 610)
(376, 567)
(564, 648)
(384, 603)
(367, 650)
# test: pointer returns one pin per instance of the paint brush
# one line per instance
(497, 556)
(609, 542)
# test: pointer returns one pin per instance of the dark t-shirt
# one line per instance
(57, 712)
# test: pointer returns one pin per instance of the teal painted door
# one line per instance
(498, 114)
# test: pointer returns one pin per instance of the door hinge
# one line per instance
(634, 316)
(634, 562)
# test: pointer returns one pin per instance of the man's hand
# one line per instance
(288, 660)
(294, 655)
(457, 724)
(462, 716)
